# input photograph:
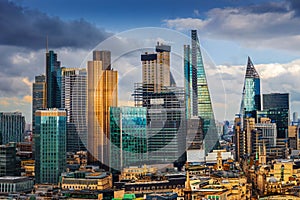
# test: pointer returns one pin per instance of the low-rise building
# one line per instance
(15, 184)
(86, 181)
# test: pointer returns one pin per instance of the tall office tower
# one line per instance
(166, 124)
(39, 100)
(50, 145)
(9, 164)
(187, 81)
(102, 93)
(53, 80)
(105, 57)
(197, 92)
(128, 137)
(156, 67)
(251, 100)
(74, 100)
(12, 126)
(276, 107)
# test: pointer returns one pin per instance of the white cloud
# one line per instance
(252, 29)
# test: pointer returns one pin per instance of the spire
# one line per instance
(47, 44)
(251, 71)
(187, 182)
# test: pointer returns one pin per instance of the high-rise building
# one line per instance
(156, 67)
(39, 100)
(102, 93)
(74, 100)
(276, 107)
(12, 126)
(105, 57)
(197, 91)
(9, 164)
(50, 145)
(53, 80)
(251, 99)
(166, 124)
(128, 137)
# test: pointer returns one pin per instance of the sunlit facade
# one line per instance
(156, 67)
(128, 136)
(102, 93)
(50, 145)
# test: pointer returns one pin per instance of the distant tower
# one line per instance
(74, 100)
(53, 80)
(12, 125)
(50, 145)
(251, 99)
(156, 67)
(276, 107)
(102, 94)
(39, 100)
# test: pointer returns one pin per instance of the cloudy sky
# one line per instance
(229, 31)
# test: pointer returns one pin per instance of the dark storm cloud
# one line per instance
(28, 28)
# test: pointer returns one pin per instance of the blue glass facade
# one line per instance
(53, 80)
(128, 136)
(50, 145)
(251, 100)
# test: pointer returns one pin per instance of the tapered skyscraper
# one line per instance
(197, 91)
(102, 93)
(53, 80)
(251, 99)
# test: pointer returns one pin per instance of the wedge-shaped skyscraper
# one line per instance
(198, 101)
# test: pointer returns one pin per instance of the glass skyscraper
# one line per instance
(53, 80)
(197, 91)
(251, 99)
(128, 137)
(50, 145)
(276, 107)
(166, 124)
(74, 100)
(12, 125)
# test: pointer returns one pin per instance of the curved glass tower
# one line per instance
(251, 101)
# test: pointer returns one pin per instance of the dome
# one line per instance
(272, 180)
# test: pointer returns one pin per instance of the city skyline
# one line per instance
(229, 52)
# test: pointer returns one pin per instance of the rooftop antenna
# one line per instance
(47, 44)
